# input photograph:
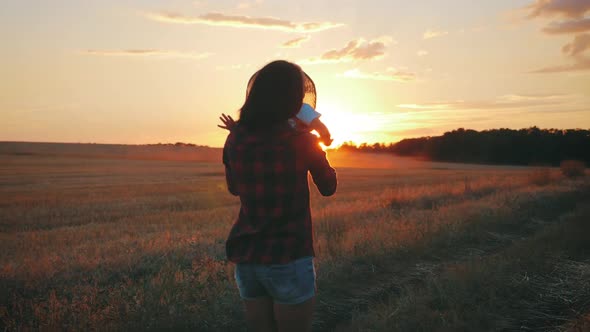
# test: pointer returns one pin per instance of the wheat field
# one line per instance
(113, 244)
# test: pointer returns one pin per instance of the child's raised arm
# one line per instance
(228, 122)
(311, 118)
(320, 127)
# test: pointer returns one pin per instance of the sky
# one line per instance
(136, 72)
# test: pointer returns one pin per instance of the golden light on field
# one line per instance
(144, 236)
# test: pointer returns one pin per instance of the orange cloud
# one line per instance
(429, 34)
(233, 67)
(391, 74)
(579, 64)
(148, 53)
(571, 26)
(576, 52)
(355, 50)
(249, 5)
(512, 101)
(564, 8)
(579, 45)
(574, 11)
(239, 21)
(295, 43)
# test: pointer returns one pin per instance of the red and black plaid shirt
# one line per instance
(269, 172)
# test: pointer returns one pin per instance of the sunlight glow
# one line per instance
(163, 71)
(346, 125)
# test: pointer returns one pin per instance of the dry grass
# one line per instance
(573, 168)
(540, 176)
(539, 284)
(127, 244)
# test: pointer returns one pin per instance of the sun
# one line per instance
(344, 124)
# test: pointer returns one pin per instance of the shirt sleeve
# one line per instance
(323, 175)
(307, 114)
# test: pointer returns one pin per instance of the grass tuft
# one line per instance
(573, 168)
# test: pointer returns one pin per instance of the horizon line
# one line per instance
(218, 147)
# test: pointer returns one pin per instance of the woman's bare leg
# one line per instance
(259, 315)
(294, 317)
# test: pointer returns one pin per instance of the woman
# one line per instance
(266, 165)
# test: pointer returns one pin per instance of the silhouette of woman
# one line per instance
(266, 164)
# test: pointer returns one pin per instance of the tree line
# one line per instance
(530, 146)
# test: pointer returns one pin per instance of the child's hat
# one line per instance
(309, 96)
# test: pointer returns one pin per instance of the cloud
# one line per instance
(422, 53)
(355, 50)
(428, 106)
(248, 5)
(506, 102)
(240, 21)
(295, 43)
(580, 64)
(233, 67)
(576, 52)
(575, 22)
(571, 26)
(199, 3)
(501, 111)
(155, 53)
(579, 45)
(563, 8)
(429, 34)
(391, 74)
(416, 132)
(573, 12)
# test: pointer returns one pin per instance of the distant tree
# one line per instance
(496, 146)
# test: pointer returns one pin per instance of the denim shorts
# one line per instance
(290, 283)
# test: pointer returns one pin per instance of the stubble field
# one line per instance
(114, 244)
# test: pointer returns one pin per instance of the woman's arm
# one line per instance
(324, 176)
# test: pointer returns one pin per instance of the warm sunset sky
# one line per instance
(162, 71)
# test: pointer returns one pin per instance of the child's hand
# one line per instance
(227, 120)
(327, 141)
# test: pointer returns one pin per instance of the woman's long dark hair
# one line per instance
(275, 95)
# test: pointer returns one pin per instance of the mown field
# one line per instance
(107, 244)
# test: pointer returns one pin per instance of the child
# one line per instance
(307, 119)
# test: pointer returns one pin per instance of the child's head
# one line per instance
(275, 94)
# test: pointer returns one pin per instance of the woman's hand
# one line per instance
(228, 122)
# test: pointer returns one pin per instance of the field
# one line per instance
(125, 244)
